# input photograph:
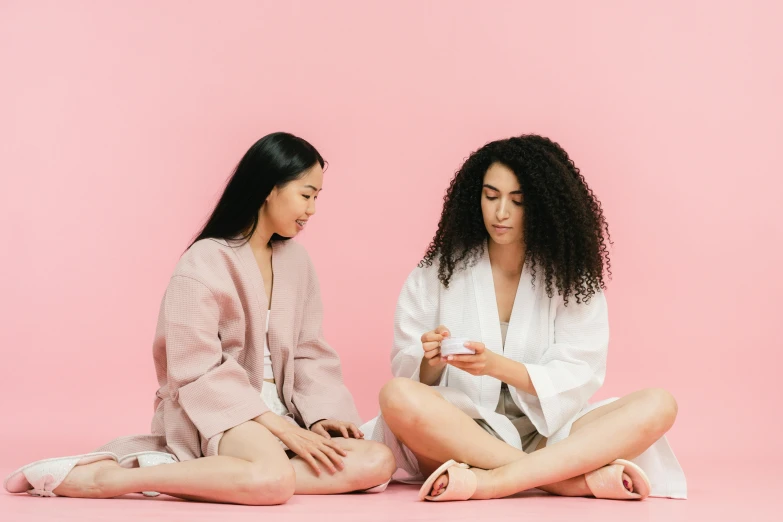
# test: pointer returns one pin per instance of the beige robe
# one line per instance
(209, 349)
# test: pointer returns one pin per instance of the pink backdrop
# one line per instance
(119, 125)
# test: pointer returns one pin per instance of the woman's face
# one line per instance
(288, 208)
(501, 205)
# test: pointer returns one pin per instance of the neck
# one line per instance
(262, 235)
(509, 259)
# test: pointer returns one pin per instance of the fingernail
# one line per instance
(451, 357)
(625, 483)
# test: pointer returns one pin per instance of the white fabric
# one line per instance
(563, 347)
(268, 373)
(269, 391)
(272, 399)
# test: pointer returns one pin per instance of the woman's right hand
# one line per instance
(311, 447)
(430, 342)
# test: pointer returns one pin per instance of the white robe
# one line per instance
(563, 347)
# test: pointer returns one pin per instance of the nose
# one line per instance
(311, 207)
(502, 211)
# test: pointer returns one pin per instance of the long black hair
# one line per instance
(273, 161)
(565, 232)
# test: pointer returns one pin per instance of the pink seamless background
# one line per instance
(120, 123)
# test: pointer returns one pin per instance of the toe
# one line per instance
(627, 482)
(440, 485)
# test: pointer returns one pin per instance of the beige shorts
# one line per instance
(528, 434)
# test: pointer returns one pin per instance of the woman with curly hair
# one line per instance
(501, 337)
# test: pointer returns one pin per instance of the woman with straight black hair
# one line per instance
(251, 407)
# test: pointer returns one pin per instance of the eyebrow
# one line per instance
(312, 187)
(487, 185)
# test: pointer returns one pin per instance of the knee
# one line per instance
(382, 460)
(377, 465)
(662, 410)
(261, 486)
(400, 399)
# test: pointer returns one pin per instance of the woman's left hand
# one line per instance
(347, 429)
(480, 363)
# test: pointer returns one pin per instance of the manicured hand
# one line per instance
(327, 427)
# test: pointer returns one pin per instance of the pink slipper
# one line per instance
(41, 478)
(462, 483)
(607, 482)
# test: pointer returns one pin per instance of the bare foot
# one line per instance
(88, 480)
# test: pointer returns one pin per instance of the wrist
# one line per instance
(272, 421)
(429, 374)
(493, 365)
(316, 423)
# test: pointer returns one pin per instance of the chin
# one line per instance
(504, 240)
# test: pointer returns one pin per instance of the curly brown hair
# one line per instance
(566, 235)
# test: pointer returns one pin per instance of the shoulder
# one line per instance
(424, 274)
(207, 260)
(297, 262)
(293, 251)
(423, 281)
(295, 257)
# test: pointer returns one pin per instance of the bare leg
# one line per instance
(436, 431)
(623, 429)
(367, 465)
(251, 468)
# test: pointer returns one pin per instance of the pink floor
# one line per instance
(736, 491)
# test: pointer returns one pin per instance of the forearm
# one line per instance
(272, 421)
(429, 375)
(513, 373)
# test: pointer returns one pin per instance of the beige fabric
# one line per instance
(528, 435)
(209, 349)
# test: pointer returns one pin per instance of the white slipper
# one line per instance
(41, 478)
(380, 488)
(144, 459)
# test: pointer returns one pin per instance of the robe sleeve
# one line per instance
(572, 367)
(319, 392)
(212, 388)
(415, 315)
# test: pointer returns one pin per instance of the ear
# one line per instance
(272, 195)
